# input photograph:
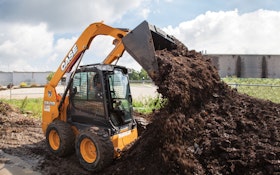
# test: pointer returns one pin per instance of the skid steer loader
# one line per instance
(93, 117)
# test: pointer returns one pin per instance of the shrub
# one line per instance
(23, 84)
(149, 104)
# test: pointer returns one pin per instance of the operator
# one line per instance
(98, 88)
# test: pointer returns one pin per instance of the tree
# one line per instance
(134, 75)
(144, 75)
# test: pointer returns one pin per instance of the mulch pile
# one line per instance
(17, 129)
(206, 127)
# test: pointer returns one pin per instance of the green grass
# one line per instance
(263, 88)
(33, 105)
(262, 81)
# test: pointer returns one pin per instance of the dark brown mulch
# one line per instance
(206, 128)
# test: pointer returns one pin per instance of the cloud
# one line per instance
(100, 47)
(25, 47)
(228, 32)
(21, 40)
(145, 13)
(61, 48)
(36, 36)
(39, 42)
(22, 45)
(66, 15)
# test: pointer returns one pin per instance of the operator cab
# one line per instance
(100, 96)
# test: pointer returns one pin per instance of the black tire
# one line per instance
(60, 138)
(94, 149)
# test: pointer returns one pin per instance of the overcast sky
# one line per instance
(36, 35)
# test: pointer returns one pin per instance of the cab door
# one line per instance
(86, 99)
(121, 106)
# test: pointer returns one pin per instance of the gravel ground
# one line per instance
(138, 91)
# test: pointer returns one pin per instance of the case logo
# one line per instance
(69, 57)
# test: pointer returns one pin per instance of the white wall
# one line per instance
(39, 78)
(247, 66)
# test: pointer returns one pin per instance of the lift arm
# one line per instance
(84, 42)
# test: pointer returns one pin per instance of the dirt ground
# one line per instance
(205, 128)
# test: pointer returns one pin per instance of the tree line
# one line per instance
(138, 75)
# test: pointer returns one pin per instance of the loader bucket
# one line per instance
(142, 42)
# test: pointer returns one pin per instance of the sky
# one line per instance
(37, 35)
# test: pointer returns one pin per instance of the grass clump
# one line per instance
(148, 104)
(32, 106)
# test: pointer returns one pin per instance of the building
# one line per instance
(247, 66)
(15, 78)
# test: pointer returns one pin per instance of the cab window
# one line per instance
(87, 92)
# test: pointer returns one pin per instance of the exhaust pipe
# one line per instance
(142, 42)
